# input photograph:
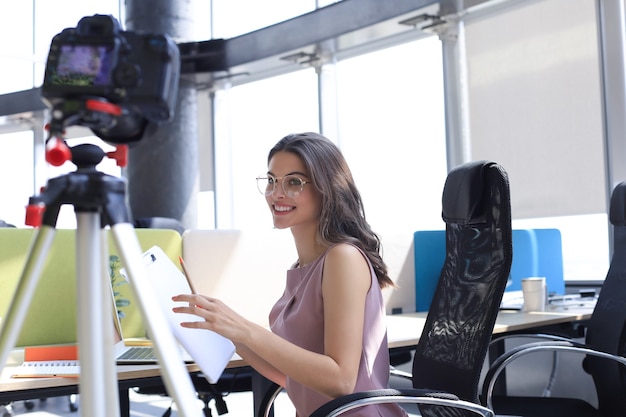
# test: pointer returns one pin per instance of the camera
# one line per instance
(135, 73)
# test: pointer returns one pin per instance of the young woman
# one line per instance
(328, 335)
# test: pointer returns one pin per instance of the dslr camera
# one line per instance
(135, 73)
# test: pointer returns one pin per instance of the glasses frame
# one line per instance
(282, 185)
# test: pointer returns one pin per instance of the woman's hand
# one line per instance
(215, 315)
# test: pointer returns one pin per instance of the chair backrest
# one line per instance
(159, 223)
(607, 327)
(460, 321)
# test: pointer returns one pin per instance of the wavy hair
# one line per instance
(342, 218)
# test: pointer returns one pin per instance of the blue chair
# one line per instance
(536, 252)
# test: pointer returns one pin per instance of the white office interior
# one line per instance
(538, 86)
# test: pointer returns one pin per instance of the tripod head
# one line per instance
(86, 188)
(97, 114)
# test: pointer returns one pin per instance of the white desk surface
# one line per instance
(124, 372)
(406, 329)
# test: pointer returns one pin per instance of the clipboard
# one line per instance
(209, 350)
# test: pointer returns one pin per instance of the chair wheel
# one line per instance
(73, 405)
(29, 404)
(7, 410)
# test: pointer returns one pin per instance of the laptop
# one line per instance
(136, 352)
(209, 350)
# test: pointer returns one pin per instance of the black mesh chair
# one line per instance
(159, 223)
(449, 356)
(604, 347)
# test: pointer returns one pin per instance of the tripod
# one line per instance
(98, 201)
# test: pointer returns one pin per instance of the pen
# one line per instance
(186, 273)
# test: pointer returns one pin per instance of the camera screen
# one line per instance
(84, 66)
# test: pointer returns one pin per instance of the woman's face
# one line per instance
(301, 211)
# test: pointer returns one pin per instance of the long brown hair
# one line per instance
(342, 218)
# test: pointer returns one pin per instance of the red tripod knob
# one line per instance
(57, 152)
(34, 214)
(120, 154)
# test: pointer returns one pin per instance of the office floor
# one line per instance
(239, 404)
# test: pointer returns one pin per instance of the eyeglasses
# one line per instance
(292, 185)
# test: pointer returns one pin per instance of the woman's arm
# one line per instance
(261, 365)
(346, 281)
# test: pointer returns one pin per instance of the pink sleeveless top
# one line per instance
(298, 316)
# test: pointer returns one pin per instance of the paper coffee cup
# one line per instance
(534, 291)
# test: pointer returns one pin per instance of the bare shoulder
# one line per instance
(345, 252)
(346, 264)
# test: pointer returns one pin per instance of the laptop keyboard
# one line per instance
(138, 353)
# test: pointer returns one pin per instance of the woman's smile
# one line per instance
(282, 208)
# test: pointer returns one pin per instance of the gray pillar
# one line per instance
(452, 36)
(162, 167)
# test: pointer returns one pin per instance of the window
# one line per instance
(535, 99)
(236, 17)
(392, 132)
(16, 176)
(250, 119)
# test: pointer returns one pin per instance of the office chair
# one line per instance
(604, 347)
(158, 223)
(449, 356)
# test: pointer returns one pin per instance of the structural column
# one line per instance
(162, 167)
(452, 36)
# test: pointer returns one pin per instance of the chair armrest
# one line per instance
(501, 362)
(554, 337)
(268, 399)
(349, 402)
(540, 336)
(398, 372)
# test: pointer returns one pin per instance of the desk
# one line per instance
(129, 376)
(404, 330)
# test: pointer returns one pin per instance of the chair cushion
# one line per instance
(463, 194)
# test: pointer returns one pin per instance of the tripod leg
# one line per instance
(113, 399)
(98, 387)
(177, 379)
(12, 323)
